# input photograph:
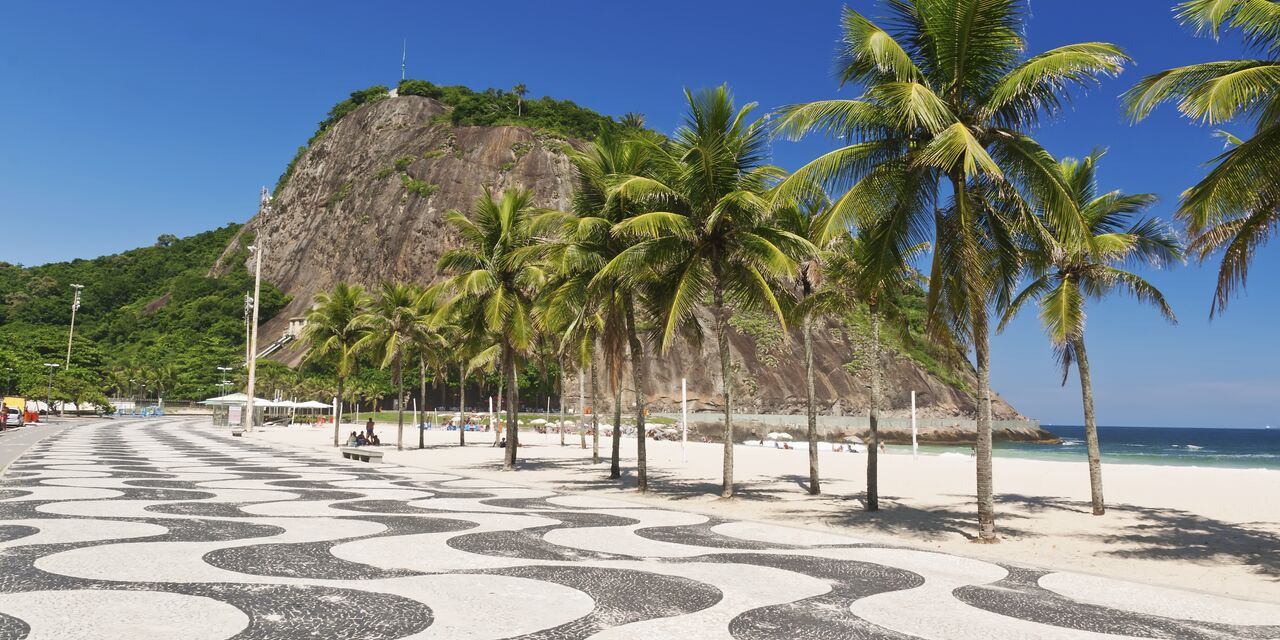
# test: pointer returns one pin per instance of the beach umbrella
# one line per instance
(537, 421)
(784, 436)
(772, 435)
(853, 439)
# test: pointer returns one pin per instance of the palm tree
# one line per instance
(804, 219)
(860, 271)
(1236, 207)
(393, 324)
(593, 306)
(708, 231)
(1064, 274)
(519, 90)
(331, 332)
(494, 275)
(948, 98)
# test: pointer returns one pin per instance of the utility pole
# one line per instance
(75, 305)
(260, 247)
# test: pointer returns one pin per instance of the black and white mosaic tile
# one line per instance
(171, 529)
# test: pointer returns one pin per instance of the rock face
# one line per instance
(366, 204)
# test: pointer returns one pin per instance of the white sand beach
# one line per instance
(1206, 529)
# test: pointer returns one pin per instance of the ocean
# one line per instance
(1234, 448)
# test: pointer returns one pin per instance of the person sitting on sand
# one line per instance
(351, 439)
(361, 440)
(375, 441)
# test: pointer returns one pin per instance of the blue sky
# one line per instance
(127, 120)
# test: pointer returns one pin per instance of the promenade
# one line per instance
(168, 528)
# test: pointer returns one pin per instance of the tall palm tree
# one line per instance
(602, 308)
(1066, 273)
(804, 219)
(331, 332)
(1236, 207)
(947, 100)
(495, 274)
(393, 324)
(708, 231)
(861, 272)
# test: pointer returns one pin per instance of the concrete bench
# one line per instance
(237, 432)
(362, 454)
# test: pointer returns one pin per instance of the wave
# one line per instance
(1193, 447)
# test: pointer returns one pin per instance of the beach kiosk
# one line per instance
(228, 410)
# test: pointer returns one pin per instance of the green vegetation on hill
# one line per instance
(151, 315)
(490, 107)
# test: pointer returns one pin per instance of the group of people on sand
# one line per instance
(368, 438)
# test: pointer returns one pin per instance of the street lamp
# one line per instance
(223, 383)
(75, 305)
(48, 399)
(258, 250)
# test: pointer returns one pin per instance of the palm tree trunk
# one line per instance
(639, 379)
(1090, 429)
(726, 367)
(615, 467)
(502, 390)
(337, 423)
(595, 415)
(513, 428)
(986, 492)
(873, 419)
(814, 487)
(462, 403)
(560, 379)
(422, 400)
(399, 376)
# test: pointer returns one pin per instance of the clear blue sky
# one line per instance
(123, 121)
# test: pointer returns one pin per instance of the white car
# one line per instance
(12, 417)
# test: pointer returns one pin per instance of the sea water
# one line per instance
(1235, 448)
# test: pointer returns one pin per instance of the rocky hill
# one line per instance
(365, 203)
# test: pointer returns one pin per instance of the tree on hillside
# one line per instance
(947, 100)
(1066, 273)
(494, 275)
(519, 90)
(707, 233)
(331, 332)
(1236, 207)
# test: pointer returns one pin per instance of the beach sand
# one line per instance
(1205, 529)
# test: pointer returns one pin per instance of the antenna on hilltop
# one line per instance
(404, 54)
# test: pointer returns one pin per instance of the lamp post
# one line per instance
(260, 247)
(75, 306)
(48, 399)
(222, 384)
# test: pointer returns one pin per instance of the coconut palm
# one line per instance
(602, 308)
(331, 332)
(1236, 207)
(947, 100)
(804, 219)
(708, 231)
(494, 275)
(395, 321)
(860, 271)
(1066, 273)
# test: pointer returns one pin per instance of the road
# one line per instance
(167, 528)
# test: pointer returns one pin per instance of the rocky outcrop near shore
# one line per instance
(366, 203)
